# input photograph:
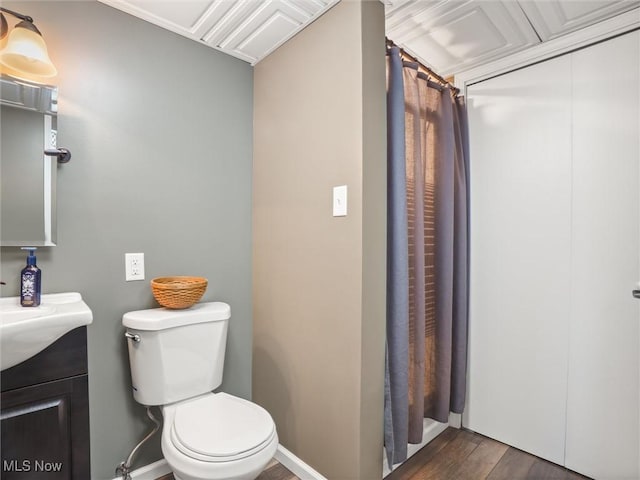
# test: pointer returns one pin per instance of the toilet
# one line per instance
(177, 359)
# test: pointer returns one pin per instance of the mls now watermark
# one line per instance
(30, 466)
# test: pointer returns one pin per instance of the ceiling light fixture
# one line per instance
(25, 53)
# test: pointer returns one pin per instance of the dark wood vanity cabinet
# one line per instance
(45, 414)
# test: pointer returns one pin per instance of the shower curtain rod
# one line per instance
(404, 53)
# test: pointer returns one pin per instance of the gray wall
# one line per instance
(161, 134)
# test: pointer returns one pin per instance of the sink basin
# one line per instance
(26, 331)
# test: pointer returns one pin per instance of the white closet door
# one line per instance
(603, 393)
(520, 152)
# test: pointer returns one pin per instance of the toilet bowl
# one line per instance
(216, 437)
(177, 359)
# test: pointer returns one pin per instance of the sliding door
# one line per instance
(555, 217)
(520, 170)
(603, 395)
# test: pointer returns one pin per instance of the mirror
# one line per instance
(27, 176)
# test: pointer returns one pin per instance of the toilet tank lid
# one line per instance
(163, 318)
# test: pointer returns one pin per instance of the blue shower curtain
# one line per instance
(397, 356)
(427, 251)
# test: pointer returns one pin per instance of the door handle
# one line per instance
(62, 154)
(636, 293)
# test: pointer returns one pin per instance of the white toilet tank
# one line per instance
(176, 354)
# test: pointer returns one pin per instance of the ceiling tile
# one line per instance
(183, 17)
(553, 18)
(450, 36)
(182, 14)
(271, 32)
(246, 29)
(254, 29)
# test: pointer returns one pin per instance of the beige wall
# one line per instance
(319, 280)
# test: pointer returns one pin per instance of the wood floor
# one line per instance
(274, 471)
(458, 455)
(463, 455)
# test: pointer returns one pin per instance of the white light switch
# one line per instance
(340, 201)
(134, 266)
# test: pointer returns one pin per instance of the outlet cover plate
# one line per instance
(134, 266)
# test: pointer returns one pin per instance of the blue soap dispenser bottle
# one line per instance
(30, 281)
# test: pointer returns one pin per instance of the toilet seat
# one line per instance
(221, 428)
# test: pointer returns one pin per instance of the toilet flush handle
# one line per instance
(132, 336)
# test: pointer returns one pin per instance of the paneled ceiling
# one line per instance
(452, 36)
(246, 29)
(447, 35)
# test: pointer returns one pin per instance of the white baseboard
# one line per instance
(455, 420)
(297, 466)
(430, 430)
(152, 471)
(157, 469)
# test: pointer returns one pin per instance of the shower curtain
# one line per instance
(427, 251)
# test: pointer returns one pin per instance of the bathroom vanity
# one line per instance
(45, 413)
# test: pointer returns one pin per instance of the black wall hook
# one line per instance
(63, 154)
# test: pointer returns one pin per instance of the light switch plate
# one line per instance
(340, 201)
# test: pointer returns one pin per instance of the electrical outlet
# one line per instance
(134, 266)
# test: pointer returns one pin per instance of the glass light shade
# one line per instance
(4, 28)
(25, 76)
(26, 53)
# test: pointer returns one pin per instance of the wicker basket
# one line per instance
(178, 292)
